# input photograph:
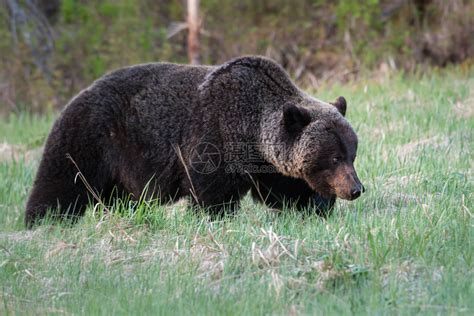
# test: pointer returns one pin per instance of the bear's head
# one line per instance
(302, 137)
(320, 147)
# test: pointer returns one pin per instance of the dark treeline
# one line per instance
(49, 50)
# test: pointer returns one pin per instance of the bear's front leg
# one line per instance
(277, 191)
(218, 193)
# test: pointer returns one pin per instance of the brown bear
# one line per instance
(171, 130)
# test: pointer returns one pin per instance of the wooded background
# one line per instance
(49, 50)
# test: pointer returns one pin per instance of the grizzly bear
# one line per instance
(171, 131)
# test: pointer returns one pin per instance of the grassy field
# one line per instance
(404, 247)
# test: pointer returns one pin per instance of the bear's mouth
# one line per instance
(328, 191)
(325, 190)
(343, 194)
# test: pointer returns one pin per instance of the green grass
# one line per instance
(404, 247)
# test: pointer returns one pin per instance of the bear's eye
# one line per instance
(336, 160)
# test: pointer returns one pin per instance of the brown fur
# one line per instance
(143, 125)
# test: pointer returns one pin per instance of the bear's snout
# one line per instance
(346, 183)
(357, 190)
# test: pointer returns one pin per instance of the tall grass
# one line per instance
(404, 247)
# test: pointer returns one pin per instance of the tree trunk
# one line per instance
(193, 35)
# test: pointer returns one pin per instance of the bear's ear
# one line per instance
(341, 105)
(295, 118)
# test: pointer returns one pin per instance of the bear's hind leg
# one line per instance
(60, 190)
(62, 199)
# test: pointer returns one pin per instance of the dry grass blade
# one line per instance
(221, 248)
(272, 254)
(60, 247)
(181, 158)
(257, 187)
(87, 185)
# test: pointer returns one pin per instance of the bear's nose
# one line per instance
(355, 193)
